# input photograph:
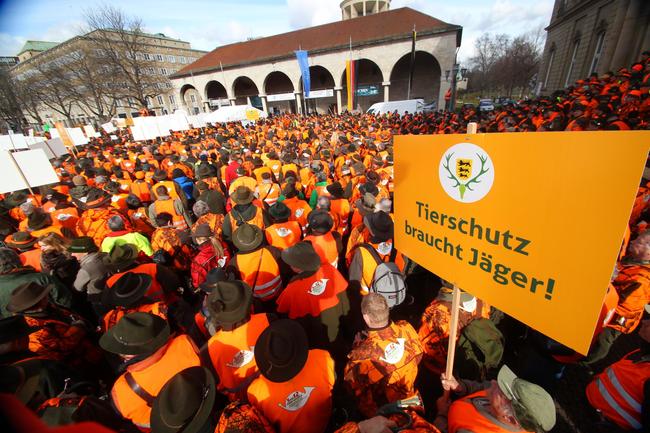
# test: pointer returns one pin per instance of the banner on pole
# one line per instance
(530, 223)
(351, 81)
(303, 63)
(62, 133)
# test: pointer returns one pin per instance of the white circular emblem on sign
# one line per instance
(466, 172)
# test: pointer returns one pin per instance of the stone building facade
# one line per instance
(164, 55)
(592, 36)
(265, 73)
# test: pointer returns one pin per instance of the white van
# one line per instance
(410, 105)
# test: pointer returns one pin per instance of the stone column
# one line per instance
(233, 101)
(265, 107)
(386, 85)
(339, 106)
(298, 96)
(248, 100)
(625, 40)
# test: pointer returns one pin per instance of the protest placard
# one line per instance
(529, 223)
(109, 128)
(77, 136)
(13, 141)
(25, 169)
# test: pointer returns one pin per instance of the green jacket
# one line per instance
(133, 238)
(60, 294)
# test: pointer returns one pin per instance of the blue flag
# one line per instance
(303, 62)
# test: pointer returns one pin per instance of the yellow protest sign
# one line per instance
(252, 114)
(531, 223)
(63, 133)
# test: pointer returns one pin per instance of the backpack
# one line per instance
(387, 280)
(479, 349)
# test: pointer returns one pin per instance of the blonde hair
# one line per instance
(375, 307)
(55, 242)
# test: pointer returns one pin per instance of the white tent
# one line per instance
(235, 113)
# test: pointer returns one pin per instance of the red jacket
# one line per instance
(205, 260)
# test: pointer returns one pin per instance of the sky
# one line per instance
(207, 24)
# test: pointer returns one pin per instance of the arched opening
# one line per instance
(191, 99)
(369, 85)
(216, 95)
(322, 98)
(426, 78)
(246, 92)
(279, 93)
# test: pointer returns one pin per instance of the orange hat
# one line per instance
(139, 174)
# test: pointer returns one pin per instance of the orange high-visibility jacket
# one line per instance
(463, 415)
(326, 248)
(261, 271)
(283, 235)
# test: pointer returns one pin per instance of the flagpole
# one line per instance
(412, 64)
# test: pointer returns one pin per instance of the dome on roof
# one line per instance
(360, 8)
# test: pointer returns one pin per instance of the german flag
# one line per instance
(351, 81)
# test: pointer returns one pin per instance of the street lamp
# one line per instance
(456, 73)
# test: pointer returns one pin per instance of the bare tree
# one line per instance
(54, 88)
(121, 40)
(28, 99)
(10, 110)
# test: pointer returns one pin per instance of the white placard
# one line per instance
(13, 141)
(314, 94)
(54, 133)
(108, 127)
(31, 132)
(57, 146)
(138, 133)
(280, 97)
(113, 137)
(77, 136)
(89, 130)
(179, 122)
(34, 165)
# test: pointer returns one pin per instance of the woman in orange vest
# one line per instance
(326, 242)
(229, 306)
(257, 265)
(509, 404)
(282, 233)
(159, 357)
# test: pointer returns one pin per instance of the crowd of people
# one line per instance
(244, 279)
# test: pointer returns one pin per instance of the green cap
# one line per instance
(533, 406)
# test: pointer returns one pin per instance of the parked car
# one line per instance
(485, 105)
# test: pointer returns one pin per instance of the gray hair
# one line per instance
(200, 208)
(115, 223)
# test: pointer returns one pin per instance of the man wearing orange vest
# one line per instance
(141, 188)
(509, 404)
(300, 209)
(316, 297)
(126, 296)
(340, 206)
(93, 222)
(633, 286)
(294, 391)
(244, 211)
(267, 190)
(257, 265)
(622, 391)
(282, 233)
(231, 347)
(383, 363)
(326, 242)
(172, 206)
(365, 258)
(159, 356)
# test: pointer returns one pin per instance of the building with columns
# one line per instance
(587, 36)
(264, 72)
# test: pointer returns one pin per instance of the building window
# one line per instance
(147, 56)
(181, 59)
(159, 57)
(574, 56)
(551, 57)
(172, 100)
(160, 100)
(171, 59)
(192, 98)
(600, 42)
(163, 71)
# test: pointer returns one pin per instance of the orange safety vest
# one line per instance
(140, 189)
(383, 250)
(283, 235)
(149, 376)
(32, 258)
(213, 183)
(231, 353)
(257, 220)
(341, 208)
(167, 206)
(463, 415)
(269, 192)
(275, 166)
(300, 209)
(171, 189)
(617, 392)
(67, 218)
(633, 286)
(261, 271)
(325, 246)
(114, 316)
(155, 292)
(261, 170)
(302, 404)
(118, 201)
